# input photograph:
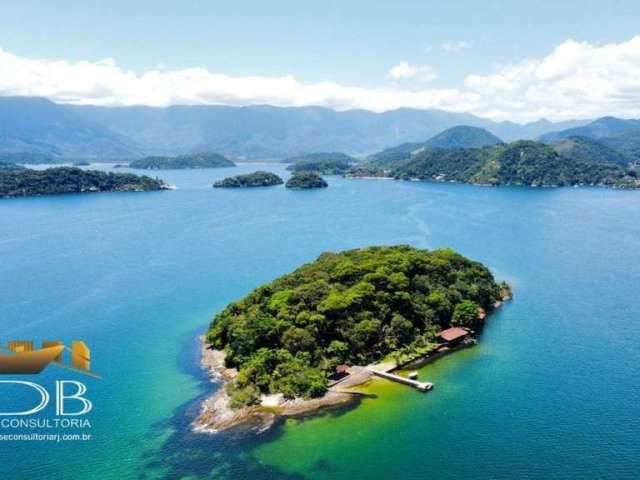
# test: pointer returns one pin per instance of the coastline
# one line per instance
(217, 415)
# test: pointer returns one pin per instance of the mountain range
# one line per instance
(30, 124)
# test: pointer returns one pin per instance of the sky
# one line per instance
(505, 60)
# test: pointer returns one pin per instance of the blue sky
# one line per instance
(348, 43)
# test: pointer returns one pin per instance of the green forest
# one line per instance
(23, 183)
(355, 307)
(255, 179)
(523, 162)
(196, 160)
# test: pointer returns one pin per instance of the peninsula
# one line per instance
(181, 162)
(255, 179)
(281, 349)
(26, 182)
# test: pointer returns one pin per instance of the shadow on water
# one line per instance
(222, 455)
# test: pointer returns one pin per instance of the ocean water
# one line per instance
(551, 391)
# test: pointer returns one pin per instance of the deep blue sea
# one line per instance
(552, 391)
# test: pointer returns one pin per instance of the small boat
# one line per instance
(28, 362)
(413, 375)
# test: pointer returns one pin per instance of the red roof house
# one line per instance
(453, 334)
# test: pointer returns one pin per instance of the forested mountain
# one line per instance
(518, 163)
(461, 136)
(589, 150)
(118, 133)
(182, 162)
(600, 128)
(627, 143)
(37, 125)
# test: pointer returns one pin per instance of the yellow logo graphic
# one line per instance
(21, 358)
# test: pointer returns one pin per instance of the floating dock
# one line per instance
(421, 386)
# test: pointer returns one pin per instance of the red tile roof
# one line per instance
(452, 334)
(342, 368)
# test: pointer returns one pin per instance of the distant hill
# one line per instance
(587, 149)
(37, 125)
(519, 163)
(627, 143)
(460, 136)
(27, 158)
(254, 132)
(182, 162)
(320, 156)
(600, 128)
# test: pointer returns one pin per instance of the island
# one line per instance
(196, 160)
(521, 163)
(27, 182)
(81, 163)
(320, 157)
(305, 181)
(286, 348)
(255, 179)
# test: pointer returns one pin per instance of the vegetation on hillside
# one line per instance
(26, 158)
(320, 156)
(196, 160)
(589, 150)
(72, 180)
(518, 163)
(461, 136)
(353, 307)
(627, 143)
(306, 180)
(321, 167)
(8, 166)
(255, 179)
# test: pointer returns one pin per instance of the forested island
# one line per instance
(26, 182)
(255, 179)
(355, 307)
(305, 181)
(196, 160)
(321, 167)
(320, 157)
(523, 162)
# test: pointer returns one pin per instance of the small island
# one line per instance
(305, 181)
(286, 348)
(81, 163)
(181, 162)
(255, 179)
(26, 182)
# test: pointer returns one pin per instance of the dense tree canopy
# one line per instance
(255, 179)
(306, 180)
(71, 180)
(195, 160)
(518, 163)
(356, 306)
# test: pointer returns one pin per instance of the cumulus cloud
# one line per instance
(456, 46)
(576, 80)
(405, 71)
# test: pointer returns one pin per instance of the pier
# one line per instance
(421, 386)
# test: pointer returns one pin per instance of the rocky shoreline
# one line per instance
(217, 415)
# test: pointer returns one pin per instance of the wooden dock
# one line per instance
(421, 386)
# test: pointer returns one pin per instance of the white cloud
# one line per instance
(456, 46)
(405, 71)
(576, 80)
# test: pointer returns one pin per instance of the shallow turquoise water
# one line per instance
(551, 391)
